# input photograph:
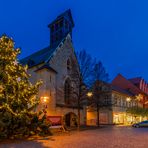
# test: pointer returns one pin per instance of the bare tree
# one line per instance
(101, 90)
(101, 98)
(86, 66)
(99, 73)
(81, 76)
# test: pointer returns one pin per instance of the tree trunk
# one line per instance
(78, 128)
(98, 116)
(79, 99)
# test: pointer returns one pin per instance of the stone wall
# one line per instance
(53, 83)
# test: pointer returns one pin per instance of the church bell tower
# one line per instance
(60, 27)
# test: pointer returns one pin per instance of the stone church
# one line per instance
(54, 66)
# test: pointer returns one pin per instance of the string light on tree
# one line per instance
(16, 101)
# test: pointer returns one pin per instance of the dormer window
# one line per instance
(68, 64)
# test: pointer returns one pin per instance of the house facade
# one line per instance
(124, 93)
(127, 93)
(53, 65)
(123, 100)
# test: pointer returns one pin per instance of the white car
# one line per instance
(141, 124)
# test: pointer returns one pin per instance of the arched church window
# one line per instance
(68, 64)
(67, 91)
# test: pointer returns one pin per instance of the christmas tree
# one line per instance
(17, 95)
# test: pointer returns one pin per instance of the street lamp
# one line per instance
(89, 94)
(44, 99)
(128, 99)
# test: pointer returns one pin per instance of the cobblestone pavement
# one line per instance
(107, 137)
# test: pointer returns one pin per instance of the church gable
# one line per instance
(56, 61)
(63, 56)
(58, 35)
(62, 63)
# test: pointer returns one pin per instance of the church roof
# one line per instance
(42, 56)
(135, 80)
(37, 57)
(46, 66)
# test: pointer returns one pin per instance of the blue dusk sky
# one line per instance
(113, 31)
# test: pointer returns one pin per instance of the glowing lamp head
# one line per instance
(89, 94)
(128, 99)
(44, 99)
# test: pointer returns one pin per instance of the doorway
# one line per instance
(71, 120)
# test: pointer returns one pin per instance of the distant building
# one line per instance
(127, 93)
(53, 65)
(143, 86)
(122, 101)
(124, 94)
(136, 86)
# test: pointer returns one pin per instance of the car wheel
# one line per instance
(137, 126)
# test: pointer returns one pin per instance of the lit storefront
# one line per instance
(122, 118)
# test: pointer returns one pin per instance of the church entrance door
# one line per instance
(71, 120)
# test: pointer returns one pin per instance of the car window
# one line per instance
(144, 122)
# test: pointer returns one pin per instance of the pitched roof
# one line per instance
(120, 90)
(135, 80)
(42, 56)
(37, 57)
(125, 84)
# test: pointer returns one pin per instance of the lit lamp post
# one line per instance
(89, 94)
(129, 119)
(128, 99)
(44, 100)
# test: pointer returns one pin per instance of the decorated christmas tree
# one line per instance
(18, 97)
